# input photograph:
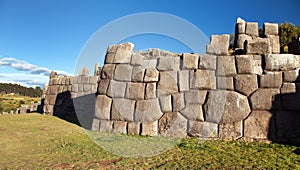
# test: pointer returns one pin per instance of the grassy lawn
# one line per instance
(33, 141)
(11, 102)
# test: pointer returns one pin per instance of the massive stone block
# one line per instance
(102, 87)
(165, 103)
(190, 61)
(168, 63)
(123, 72)
(207, 62)
(259, 125)
(270, 80)
(151, 75)
(147, 110)
(265, 99)
(172, 124)
(167, 83)
(270, 29)
(252, 28)
(183, 81)
(137, 59)
(202, 79)
(122, 109)
(245, 64)
(257, 64)
(218, 44)
(226, 107)
(240, 40)
(149, 128)
(108, 71)
(116, 89)
(291, 76)
(134, 128)
(278, 62)
(274, 43)
(137, 74)
(231, 130)
(150, 92)
(106, 126)
(226, 66)
(258, 46)
(245, 83)
(202, 129)
(193, 112)
(225, 83)
(149, 63)
(120, 127)
(195, 97)
(123, 53)
(110, 54)
(102, 108)
(178, 101)
(95, 125)
(240, 28)
(135, 91)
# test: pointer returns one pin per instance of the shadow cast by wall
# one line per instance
(284, 125)
(79, 110)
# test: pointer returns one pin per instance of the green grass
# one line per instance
(33, 141)
(11, 102)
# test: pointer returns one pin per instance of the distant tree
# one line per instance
(288, 32)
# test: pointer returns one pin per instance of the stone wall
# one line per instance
(252, 94)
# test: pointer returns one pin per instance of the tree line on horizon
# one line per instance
(8, 88)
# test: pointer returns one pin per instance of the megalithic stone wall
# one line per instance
(251, 94)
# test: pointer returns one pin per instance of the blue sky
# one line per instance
(37, 36)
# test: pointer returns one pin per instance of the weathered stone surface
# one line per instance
(50, 99)
(290, 95)
(195, 97)
(225, 83)
(193, 112)
(207, 61)
(83, 80)
(87, 88)
(84, 71)
(120, 127)
(150, 91)
(102, 108)
(106, 126)
(252, 28)
(167, 83)
(287, 125)
(190, 61)
(102, 87)
(123, 53)
(274, 43)
(259, 125)
(202, 129)
(116, 89)
(167, 64)
(183, 81)
(270, 29)
(135, 91)
(231, 130)
(244, 64)
(240, 40)
(137, 59)
(53, 74)
(54, 89)
(202, 79)
(74, 88)
(122, 109)
(218, 44)
(137, 74)
(291, 76)
(151, 75)
(257, 64)
(123, 72)
(108, 71)
(265, 99)
(226, 66)
(149, 128)
(178, 101)
(278, 62)
(110, 54)
(147, 110)
(53, 81)
(95, 125)
(258, 46)
(240, 28)
(149, 63)
(134, 128)
(226, 107)
(165, 103)
(270, 80)
(245, 83)
(172, 124)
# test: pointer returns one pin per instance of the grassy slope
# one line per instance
(33, 141)
(11, 102)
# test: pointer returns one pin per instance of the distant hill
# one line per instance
(7, 88)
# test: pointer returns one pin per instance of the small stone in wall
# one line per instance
(108, 71)
(207, 62)
(172, 124)
(244, 64)
(116, 89)
(252, 28)
(123, 72)
(150, 92)
(178, 101)
(137, 74)
(218, 44)
(270, 29)
(190, 61)
(203, 80)
(195, 97)
(167, 83)
(165, 103)
(149, 128)
(231, 130)
(291, 76)
(183, 80)
(134, 128)
(120, 127)
(151, 75)
(226, 66)
(225, 83)
(202, 129)
(245, 83)
(135, 91)
(123, 53)
(270, 80)
(193, 112)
